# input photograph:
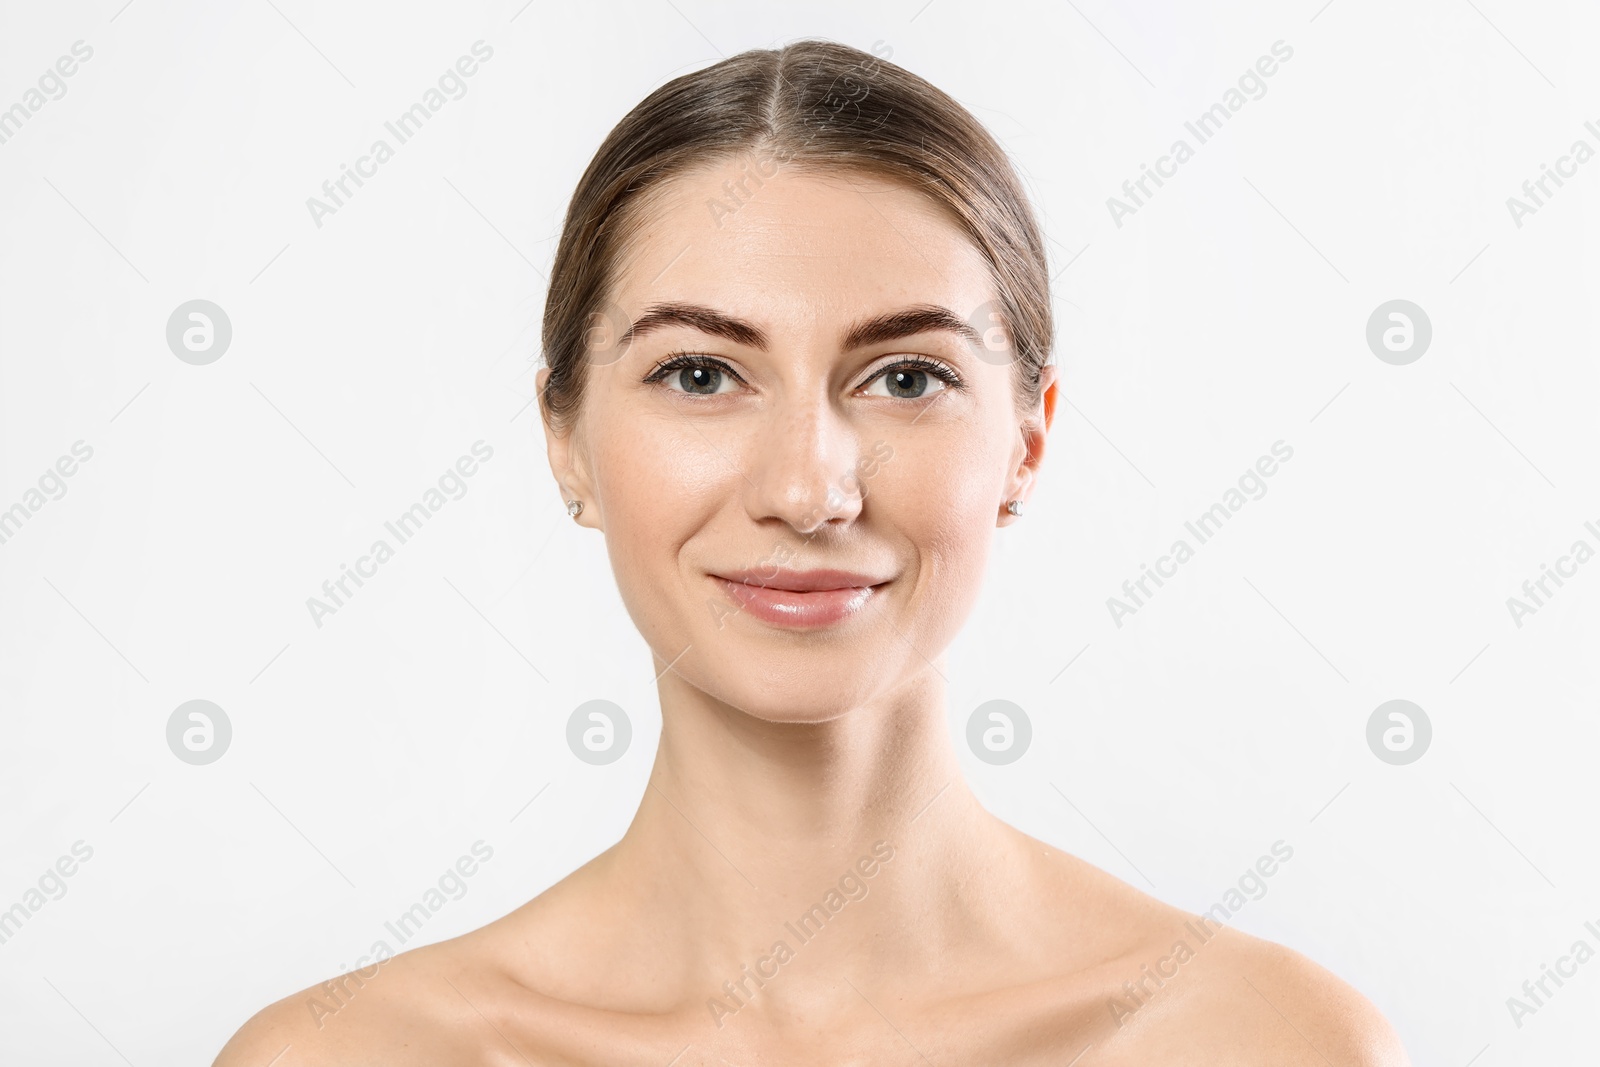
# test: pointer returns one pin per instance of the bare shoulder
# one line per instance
(459, 1001)
(1178, 988)
(412, 1008)
(1298, 1011)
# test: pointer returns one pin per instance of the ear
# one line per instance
(568, 461)
(1034, 430)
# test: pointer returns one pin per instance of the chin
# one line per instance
(786, 701)
(781, 674)
(818, 687)
(805, 714)
(811, 686)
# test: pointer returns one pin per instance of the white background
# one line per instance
(369, 353)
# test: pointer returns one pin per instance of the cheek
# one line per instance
(657, 491)
(941, 498)
(663, 472)
(938, 484)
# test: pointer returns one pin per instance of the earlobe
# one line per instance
(562, 452)
(1033, 438)
(1013, 506)
(577, 504)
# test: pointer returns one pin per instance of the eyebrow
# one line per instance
(890, 326)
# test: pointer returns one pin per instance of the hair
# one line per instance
(821, 106)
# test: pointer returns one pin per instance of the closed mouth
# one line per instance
(813, 581)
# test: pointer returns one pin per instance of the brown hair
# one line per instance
(817, 104)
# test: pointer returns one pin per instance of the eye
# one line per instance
(916, 377)
(691, 373)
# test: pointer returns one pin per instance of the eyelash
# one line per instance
(676, 361)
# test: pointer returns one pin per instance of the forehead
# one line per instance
(798, 245)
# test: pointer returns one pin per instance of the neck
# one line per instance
(747, 824)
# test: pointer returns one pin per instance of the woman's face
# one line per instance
(824, 418)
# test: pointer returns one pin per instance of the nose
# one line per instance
(802, 467)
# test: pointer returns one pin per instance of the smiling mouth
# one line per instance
(800, 599)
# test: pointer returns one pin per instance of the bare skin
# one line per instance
(795, 764)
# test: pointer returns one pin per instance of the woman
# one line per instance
(798, 334)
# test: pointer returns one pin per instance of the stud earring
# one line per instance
(574, 508)
(1014, 506)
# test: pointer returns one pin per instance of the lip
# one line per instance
(800, 599)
